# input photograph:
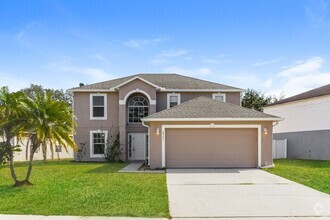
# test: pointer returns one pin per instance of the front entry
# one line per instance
(137, 143)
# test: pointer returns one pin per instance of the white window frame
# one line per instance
(173, 94)
(219, 94)
(91, 107)
(128, 106)
(91, 144)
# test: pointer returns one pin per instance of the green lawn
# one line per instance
(85, 189)
(312, 173)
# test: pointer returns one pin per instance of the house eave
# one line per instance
(201, 90)
(211, 119)
(91, 90)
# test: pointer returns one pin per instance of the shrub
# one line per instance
(4, 157)
(4, 154)
(112, 152)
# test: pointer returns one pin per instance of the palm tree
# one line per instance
(43, 119)
(48, 121)
(10, 122)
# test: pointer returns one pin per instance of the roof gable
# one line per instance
(205, 108)
(134, 78)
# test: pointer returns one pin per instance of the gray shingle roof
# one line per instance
(205, 107)
(321, 91)
(167, 81)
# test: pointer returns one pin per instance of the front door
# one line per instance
(137, 146)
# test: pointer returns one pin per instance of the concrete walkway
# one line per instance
(132, 167)
(241, 194)
(41, 217)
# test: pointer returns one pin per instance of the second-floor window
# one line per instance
(138, 107)
(219, 97)
(98, 108)
(173, 100)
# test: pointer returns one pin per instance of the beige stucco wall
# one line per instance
(156, 140)
(232, 97)
(85, 125)
(117, 120)
(139, 87)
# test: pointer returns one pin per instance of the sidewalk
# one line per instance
(41, 217)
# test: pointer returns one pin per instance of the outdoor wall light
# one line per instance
(157, 131)
(265, 131)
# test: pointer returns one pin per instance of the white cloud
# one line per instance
(211, 61)
(215, 61)
(266, 62)
(165, 56)
(95, 74)
(301, 67)
(299, 77)
(142, 43)
(298, 84)
(173, 53)
(14, 84)
(303, 75)
(189, 72)
(244, 80)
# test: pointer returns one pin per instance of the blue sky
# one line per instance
(271, 45)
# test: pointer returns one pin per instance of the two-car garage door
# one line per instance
(211, 147)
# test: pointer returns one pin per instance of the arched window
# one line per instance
(138, 107)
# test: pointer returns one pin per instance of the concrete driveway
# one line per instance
(241, 193)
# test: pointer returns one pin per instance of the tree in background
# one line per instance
(256, 100)
(57, 94)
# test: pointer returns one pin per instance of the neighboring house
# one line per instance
(58, 153)
(171, 120)
(307, 123)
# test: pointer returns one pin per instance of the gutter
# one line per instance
(212, 119)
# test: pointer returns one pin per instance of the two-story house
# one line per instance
(170, 120)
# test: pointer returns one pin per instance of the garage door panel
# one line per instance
(211, 147)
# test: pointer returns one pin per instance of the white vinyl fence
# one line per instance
(280, 149)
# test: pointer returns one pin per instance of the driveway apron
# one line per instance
(246, 193)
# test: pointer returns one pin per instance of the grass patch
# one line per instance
(312, 173)
(84, 189)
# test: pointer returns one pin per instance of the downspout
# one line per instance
(148, 141)
(73, 118)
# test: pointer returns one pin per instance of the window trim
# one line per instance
(91, 117)
(91, 143)
(128, 106)
(173, 94)
(219, 94)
